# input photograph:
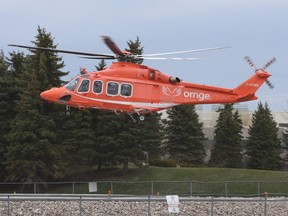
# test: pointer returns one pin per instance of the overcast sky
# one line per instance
(258, 28)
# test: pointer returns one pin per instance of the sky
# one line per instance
(257, 28)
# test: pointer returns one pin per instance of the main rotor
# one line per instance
(123, 56)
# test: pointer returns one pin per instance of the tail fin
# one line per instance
(247, 89)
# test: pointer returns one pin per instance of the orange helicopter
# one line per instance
(126, 87)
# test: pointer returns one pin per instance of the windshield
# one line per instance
(72, 84)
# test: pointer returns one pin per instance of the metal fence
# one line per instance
(87, 205)
(183, 188)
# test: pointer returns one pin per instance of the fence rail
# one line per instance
(93, 204)
(183, 188)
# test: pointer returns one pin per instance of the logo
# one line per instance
(171, 92)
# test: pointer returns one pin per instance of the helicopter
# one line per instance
(135, 89)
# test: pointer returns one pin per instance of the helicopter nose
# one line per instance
(50, 95)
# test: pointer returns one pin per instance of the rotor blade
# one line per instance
(112, 46)
(269, 84)
(104, 57)
(249, 61)
(163, 58)
(186, 51)
(63, 51)
(269, 63)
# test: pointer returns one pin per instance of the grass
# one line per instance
(182, 181)
(188, 181)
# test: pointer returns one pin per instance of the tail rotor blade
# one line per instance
(269, 84)
(249, 61)
(269, 63)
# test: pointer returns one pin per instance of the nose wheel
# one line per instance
(68, 111)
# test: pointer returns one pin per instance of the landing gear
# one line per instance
(136, 119)
(68, 111)
(141, 118)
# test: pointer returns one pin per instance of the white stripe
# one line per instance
(135, 104)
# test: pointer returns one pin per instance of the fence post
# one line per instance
(80, 206)
(191, 188)
(35, 190)
(258, 188)
(226, 189)
(212, 206)
(8, 205)
(149, 210)
(73, 187)
(111, 187)
(152, 188)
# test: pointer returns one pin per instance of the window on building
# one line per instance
(126, 90)
(112, 88)
(97, 87)
(84, 86)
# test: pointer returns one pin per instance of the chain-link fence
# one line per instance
(183, 188)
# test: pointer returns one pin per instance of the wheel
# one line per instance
(141, 118)
(68, 112)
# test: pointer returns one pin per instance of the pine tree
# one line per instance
(78, 145)
(184, 136)
(101, 65)
(227, 147)
(10, 71)
(136, 49)
(6, 107)
(285, 138)
(264, 146)
(31, 154)
(47, 64)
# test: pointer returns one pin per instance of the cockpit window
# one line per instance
(72, 84)
(84, 87)
(112, 88)
(97, 87)
(126, 90)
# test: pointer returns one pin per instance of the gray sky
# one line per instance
(257, 28)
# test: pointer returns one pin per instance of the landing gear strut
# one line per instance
(68, 110)
(135, 120)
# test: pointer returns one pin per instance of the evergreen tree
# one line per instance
(101, 65)
(6, 83)
(9, 94)
(136, 49)
(184, 136)
(78, 145)
(31, 154)
(285, 138)
(139, 142)
(264, 146)
(227, 147)
(47, 64)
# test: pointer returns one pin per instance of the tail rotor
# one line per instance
(249, 61)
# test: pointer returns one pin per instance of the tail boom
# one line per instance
(246, 90)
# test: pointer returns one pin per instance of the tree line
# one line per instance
(38, 142)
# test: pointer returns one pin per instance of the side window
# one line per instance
(97, 87)
(126, 90)
(112, 88)
(152, 75)
(84, 86)
(72, 84)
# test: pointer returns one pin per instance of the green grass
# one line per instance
(194, 174)
(182, 181)
(187, 181)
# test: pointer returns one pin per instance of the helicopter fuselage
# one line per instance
(132, 88)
